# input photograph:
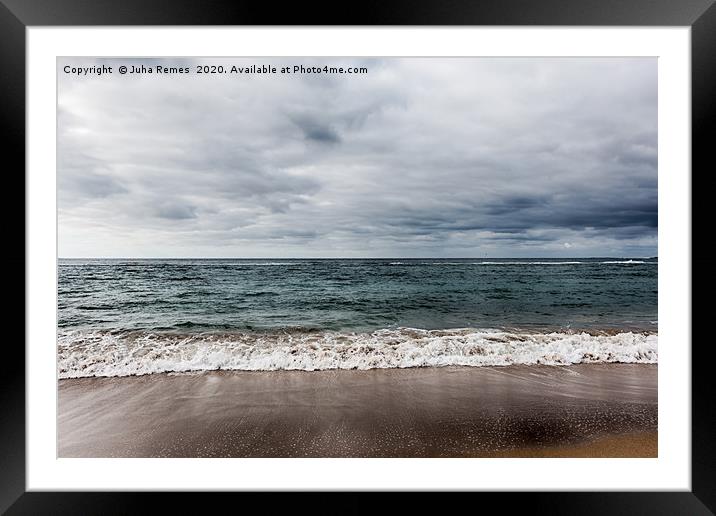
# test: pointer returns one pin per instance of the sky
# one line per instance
(418, 157)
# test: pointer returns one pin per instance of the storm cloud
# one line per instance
(444, 157)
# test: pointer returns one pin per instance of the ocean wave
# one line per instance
(628, 262)
(88, 354)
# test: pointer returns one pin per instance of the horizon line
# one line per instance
(352, 258)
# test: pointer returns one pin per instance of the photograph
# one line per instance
(357, 257)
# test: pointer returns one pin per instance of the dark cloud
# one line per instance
(315, 130)
(420, 157)
(176, 212)
(511, 205)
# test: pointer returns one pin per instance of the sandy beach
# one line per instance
(605, 410)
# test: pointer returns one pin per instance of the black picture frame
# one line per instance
(700, 15)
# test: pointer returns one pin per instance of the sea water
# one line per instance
(125, 317)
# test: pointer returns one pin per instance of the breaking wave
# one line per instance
(87, 354)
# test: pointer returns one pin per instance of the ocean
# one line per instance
(128, 317)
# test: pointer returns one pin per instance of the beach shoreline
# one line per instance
(581, 410)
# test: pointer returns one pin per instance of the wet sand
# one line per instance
(605, 410)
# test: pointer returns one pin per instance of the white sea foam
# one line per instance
(446, 263)
(82, 354)
(628, 261)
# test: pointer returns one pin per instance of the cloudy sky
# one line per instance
(443, 157)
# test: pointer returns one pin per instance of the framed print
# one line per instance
(442, 249)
